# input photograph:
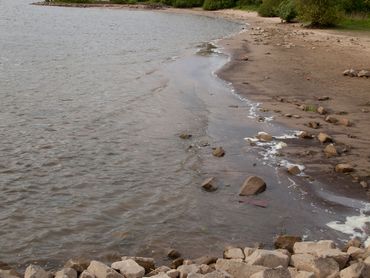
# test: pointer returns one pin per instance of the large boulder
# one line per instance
(356, 270)
(252, 186)
(129, 268)
(147, 263)
(286, 242)
(35, 271)
(78, 264)
(66, 273)
(237, 269)
(268, 258)
(322, 267)
(279, 272)
(100, 270)
(234, 253)
(312, 246)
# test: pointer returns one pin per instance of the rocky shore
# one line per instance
(292, 258)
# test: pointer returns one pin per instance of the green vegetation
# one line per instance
(345, 14)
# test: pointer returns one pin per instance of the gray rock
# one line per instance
(66, 273)
(34, 271)
(100, 270)
(279, 272)
(129, 268)
(252, 185)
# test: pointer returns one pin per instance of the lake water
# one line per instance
(92, 103)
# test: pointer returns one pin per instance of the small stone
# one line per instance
(321, 110)
(286, 242)
(209, 185)
(314, 125)
(363, 73)
(173, 254)
(158, 271)
(252, 186)
(305, 135)
(278, 272)
(205, 260)
(66, 273)
(296, 116)
(343, 168)
(344, 121)
(185, 135)
(218, 152)
(264, 136)
(331, 119)
(365, 110)
(177, 262)
(100, 270)
(330, 151)
(323, 98)
(34, 271)
(364, 184)
(294, 170)
(234, 253)
(324, 138)
(350, 72)
(288, 115)
(129, 268)
(86, 274)
(78, 264)
(205, 268)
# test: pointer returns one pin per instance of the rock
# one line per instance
(356, 270)
(129, 268)
(268, 258)
(343, 168)
(248, 251)
(322, 267)
(286, 242)
(188, 262)
(185, 135)
(305, 135)
(205, 260)
(324, 138)
(234, 253)
(86, 274)
(160, 275)
(363, 73)
(205, 268)
(350, 72)
(100, 270)
(321, 110)
(173, 254)
(367, 261)
(177, 262)
(294, 170)
(158, 270)
(279, 272)
(147, 263)
(237, 269)
(300, 274)
(330, 151)
(340, 257)
(252, 186)
(344, 121)
(34, 271)
(364, 184)
(6, 271)
(218, 274)
(78, 264)
(312, 246)
(173, 273)
(296, 116)
(187, 269)
(218, 152)
(314, 125)
(66, 273)
(331, 119)
(264, 136)
(355, 253)
(323, 98)
(355, 242)
(209, 185)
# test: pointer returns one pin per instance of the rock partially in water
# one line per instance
(321, 110)
(264, 136)
(185, 135)
(330, 151)
(218, 152)
(176, 263)
(147, 263)
(209, 185)
(343, 168)
(252, 185)
(294, 170)
(324, 138)
(129, 268)
(173, 254)
(331, 119)
(286, 242)
(234, 253)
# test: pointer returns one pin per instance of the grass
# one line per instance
(355, 22)
(250, 8)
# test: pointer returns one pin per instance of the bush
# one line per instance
(287, 10)
(249, 2)
(356, 6)
(319, 12)
(187, 3)
(269, 8)
(218, 4)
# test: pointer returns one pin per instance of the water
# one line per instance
(92, 103)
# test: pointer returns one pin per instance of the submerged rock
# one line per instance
(264, 137)
(252, 185)
(185, 135)
(286, 242)
(173, 254)
(294, 170)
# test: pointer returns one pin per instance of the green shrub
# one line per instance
(218, 4)
(356, 6)
(187, 3)
(287, 10)
(320, 13)
(269, 8)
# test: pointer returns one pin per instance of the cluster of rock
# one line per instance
(294, 259)
(357, 73)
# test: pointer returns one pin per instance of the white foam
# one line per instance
(355, 226)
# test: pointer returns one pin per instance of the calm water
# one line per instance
(92, 102)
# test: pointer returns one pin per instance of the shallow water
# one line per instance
(92, 103)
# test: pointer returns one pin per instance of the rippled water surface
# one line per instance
(92, 102)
